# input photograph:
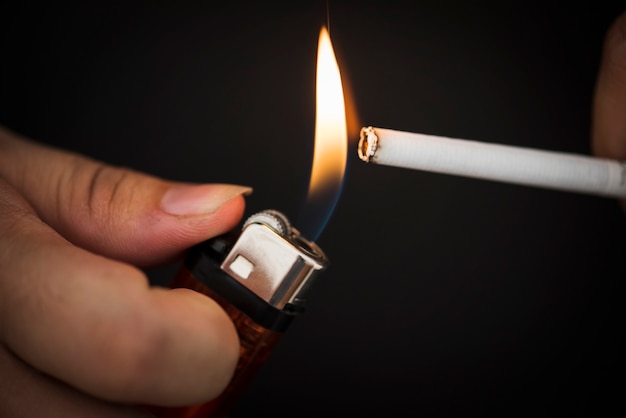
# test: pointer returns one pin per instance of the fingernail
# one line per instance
(200, 199)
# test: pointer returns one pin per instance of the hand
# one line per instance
(82, 334)
(609, 111)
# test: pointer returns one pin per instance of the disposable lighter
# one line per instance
(260, 277)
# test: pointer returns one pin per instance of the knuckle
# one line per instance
(101, 200)
(107, 188)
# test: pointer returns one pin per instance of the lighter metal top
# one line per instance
(273, 260)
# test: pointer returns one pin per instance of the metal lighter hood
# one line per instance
(271, 259)
(260, 278)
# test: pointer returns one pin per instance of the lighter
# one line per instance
(260, 278)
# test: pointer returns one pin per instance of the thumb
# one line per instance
(113, 211)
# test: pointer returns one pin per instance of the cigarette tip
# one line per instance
(368, 142)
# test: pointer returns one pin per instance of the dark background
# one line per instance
(445, 296)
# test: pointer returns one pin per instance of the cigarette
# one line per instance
(497, 162)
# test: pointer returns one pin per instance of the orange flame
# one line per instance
(331, 133)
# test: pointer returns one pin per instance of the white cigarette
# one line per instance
(504, 163)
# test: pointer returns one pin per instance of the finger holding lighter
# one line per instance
(260, 278)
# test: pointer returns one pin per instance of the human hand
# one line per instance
(81, 332)
(609, 108)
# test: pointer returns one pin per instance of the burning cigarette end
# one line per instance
(504, 163)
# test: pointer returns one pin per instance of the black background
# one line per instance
(445, 296)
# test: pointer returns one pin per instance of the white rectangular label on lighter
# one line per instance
(242, 267)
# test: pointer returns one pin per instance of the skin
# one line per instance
(81, 331)
(609, 107)
(608, 135)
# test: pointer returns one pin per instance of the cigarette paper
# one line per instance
(497, 162)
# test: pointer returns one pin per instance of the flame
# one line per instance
(331, 132)
(331, 136)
